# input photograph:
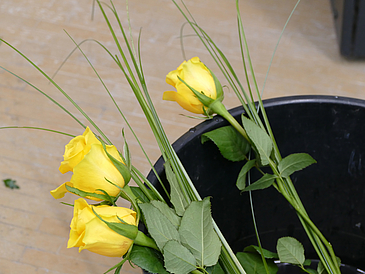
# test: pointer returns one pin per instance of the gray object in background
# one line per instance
(349, 18)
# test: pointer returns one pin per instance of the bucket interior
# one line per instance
(332, 131)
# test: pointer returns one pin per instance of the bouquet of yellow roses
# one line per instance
(172, 231)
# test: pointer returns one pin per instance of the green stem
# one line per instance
(143, 240)
(229, 257)
(287, 189)
(329, 262)
(196, 271)
(218, 107)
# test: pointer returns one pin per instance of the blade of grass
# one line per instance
(141, 185)
(59, 88)
(155, 124)
(220, 59)
(46, 95)
(38, 128)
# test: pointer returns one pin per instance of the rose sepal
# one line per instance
(122, 168)
(129, 231)
(124, 229)
(218, 86)
(205, 100)
(87, 195)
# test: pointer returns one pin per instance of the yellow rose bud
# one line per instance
(76, 149)
(91, 166)
(197, 76)
(91, 233)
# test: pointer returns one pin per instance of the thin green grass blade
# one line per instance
(148, 107)
(277, 45)
(151, 118)
(77, 47)
(39, 128)
(46, 95)
(58, 87)
(220, 59)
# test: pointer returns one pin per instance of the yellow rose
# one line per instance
(91, 166)
(89, 232)
(76, 149)
(196, 75)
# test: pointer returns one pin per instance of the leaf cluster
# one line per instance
(289, 251)
(235, 147)
(187, 242)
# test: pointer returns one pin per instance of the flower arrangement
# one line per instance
(181, 235)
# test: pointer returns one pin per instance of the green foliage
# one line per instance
(290, 250)
(177, 198)
(10, 184)
(122, 168)
(230, 143)
(168, 212)
(311, 271)
(188, 242)
(159, 226)
(252, 263)
(126, 153)
(124, 229)
(178, 259)
(264, 182)
(267, 254)
(148, 259)
(307, 262)
(294, 162)
(198, 235)
(216, 269)
(241, 180)
(85, 194)
(260, 139)
(322, 270)
(141, 196)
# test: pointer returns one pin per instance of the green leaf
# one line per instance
(307, 262)
(230, 143)
(177, 198)
(140, 194)
(168, 212)
(178, 259)
(294, 162)
(216, 269)
(241, 180)
(126, 153)
(264, 182)
(321, 269)
(290, 250)
(11, 184)
(267, 254)
(311, 271)
(260, 139)
(198, 235)
(252, 263)
(147, 259)
(158, 225)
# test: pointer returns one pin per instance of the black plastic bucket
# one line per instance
(332, 131)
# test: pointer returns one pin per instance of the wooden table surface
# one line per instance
(34, 227)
